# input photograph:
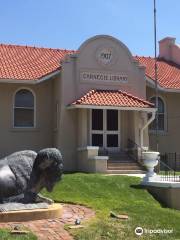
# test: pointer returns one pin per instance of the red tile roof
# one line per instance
(116, 98)
(168, 72)
(29, 63)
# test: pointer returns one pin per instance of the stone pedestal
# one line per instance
(52, 211)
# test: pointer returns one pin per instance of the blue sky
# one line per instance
(67, 23)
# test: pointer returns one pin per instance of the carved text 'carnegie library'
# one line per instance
(88, 76)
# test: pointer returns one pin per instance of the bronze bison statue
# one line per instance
(24, 174)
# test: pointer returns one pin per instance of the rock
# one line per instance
(19, 232)
(119, 216)
(76, 226)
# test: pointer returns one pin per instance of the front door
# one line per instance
(105, 128)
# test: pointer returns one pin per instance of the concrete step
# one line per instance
(122, 163)
(124, 168)
(123, 157)
(118, 155)
(125, 172)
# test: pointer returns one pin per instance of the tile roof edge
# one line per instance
(36, 47)
(136, 98)
(117, 91)
(30, 81)
(88, 94)
(49, 75)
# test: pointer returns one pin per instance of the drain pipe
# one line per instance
(145, 126)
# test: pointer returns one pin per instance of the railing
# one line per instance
(169, 167)
(172, 160)
(134, 151)
(103, 152)
(169, 163)
(108, 152)
(168, 174)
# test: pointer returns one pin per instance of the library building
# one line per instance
(95, 104)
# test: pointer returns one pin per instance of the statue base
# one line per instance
(21, 215)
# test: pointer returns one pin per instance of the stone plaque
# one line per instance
(104, 55)
(86, 76)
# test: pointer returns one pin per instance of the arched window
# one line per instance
(24, 108)
(161, 115)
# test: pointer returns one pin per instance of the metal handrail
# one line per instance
(134, 143)
(133, 146)
(161, 162)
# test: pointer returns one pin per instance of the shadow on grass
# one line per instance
(138, 186)
(152, 194)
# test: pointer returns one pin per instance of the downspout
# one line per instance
(145, 126)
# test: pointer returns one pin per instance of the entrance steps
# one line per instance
(122, 164)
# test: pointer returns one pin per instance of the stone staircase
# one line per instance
(121, 163)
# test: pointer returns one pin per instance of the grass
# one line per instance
(5, 235)
(115, 193)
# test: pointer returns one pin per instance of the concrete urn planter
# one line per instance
(150, 160)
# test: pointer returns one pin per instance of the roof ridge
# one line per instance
(36, 47)
(173, 64)
(137, 56)
(159, 59)
(134, 97)
(88, 94)
(125, 93)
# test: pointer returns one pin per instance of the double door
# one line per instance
(105, 128)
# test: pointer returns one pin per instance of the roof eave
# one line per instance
(152, 84)
(146, 109)
(31, 81)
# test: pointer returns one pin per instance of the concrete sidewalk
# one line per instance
(131, 175)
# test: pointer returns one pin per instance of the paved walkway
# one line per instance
(53, 229)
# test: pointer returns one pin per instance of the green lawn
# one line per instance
(5, 235)
(115, 193)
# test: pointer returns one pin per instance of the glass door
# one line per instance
(105, 129)
(112, 134)
(97, 127)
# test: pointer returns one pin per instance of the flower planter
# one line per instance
(150, 160)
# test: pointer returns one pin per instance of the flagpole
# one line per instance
(156, 74)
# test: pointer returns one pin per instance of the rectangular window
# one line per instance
(97, 140)
(112, 120)
(112, 140)
(97, 119)
(23, 117)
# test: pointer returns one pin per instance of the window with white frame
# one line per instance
(24, 108)
(160, 113)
